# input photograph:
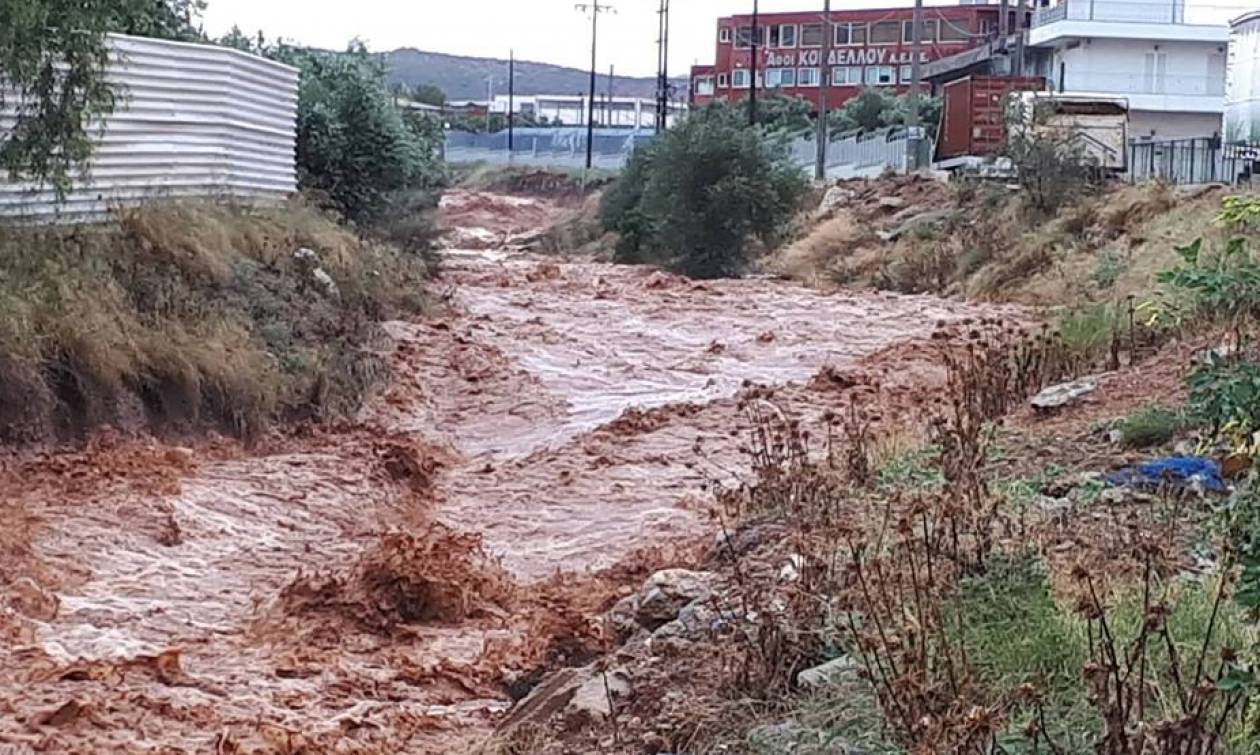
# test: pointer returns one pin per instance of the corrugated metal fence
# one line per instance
(190, 121)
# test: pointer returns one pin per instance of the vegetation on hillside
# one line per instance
(696, 198)
(875, 108)
(197, 314)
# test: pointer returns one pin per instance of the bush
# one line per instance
(694, 198)
(354, 146)
(877, 108)
(1153, 426)
(1052, 166)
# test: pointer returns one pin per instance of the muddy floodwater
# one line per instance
(569, 413)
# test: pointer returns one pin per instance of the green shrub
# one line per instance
(694, 199)
(1225, 395)
(1153, 426)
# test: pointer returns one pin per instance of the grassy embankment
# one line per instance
(192, 315)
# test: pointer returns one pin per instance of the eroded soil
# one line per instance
(388, 585)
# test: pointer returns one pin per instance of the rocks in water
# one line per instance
(666, 592)
(829, 674)
(1058, 396)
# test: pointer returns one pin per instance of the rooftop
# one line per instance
(1120, 19)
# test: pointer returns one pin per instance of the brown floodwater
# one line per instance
(575, 411)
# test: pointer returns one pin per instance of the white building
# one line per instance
(1171, 72)
(571, 110)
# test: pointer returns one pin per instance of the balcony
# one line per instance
(1124, 11)
(1125, 84)
(1169, 93)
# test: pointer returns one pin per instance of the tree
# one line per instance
(878, 108)
(1052, 164)
(354, 145)
(781, 113)
(429, 94)
(694, 198)
(53, 57)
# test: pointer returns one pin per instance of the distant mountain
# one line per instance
(464, 78)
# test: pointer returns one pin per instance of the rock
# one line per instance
(831, 673)
(696, 620)
(835, 197)
(890, 203)
(1115, 436)
(591, 699)
(1061, 487)
(622, 616)
(744, 540)
(1115, 496)
(1224, 351)
(666, 592)
(326, 283)
(547, 699)
(1194, 191)
(929, 218)
(1058, 396)
(307, 257)
(1054, 509)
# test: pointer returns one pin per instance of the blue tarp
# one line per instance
(1176, 471)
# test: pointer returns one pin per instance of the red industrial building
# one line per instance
(869, 48)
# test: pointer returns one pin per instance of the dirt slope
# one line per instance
(383, 586)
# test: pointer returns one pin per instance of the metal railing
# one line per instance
(1128, 11)
(1192, 161)
(560, 147)
(864, 154)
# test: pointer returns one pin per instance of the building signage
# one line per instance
(852, 56)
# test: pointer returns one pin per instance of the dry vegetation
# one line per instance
(981, 241)
(192, 314)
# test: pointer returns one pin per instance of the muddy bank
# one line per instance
(382, 586)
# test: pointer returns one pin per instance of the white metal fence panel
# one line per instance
(862, 154)
(190, 121)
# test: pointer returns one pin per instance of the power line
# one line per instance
(594, 9)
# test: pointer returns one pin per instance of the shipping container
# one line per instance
(973, 117)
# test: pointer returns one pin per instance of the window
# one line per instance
(885, 33)
(783, 35)
(811, 35)
(904, 73)
(724, 35)
(929, 31)
(954, 31)
(743, 36)
(850, 34)
(739, 78)
(880, 76)
(807, 77)
(1155, 73)
(780, 77)
(723, 81)
(846, 76)
(704, 85)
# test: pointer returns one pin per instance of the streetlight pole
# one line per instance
(916, 75)
(824, 83)
(595, 9)
(511, 118)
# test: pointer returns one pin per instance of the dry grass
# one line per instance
(191, 314)
(817, 256)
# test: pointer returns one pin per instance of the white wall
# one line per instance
(1119, 66)
(1161, 126)
(190, 121)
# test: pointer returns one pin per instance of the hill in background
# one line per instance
(464, 78)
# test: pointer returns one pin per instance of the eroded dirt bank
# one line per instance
(387, 585)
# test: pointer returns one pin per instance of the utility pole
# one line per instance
(752, 83)
(662, 65)
(511, 115)
(1003, 23)
(665, 72)
(824, 83)
(610, 116)
(489, 99)
(595, 9)
(916, 77)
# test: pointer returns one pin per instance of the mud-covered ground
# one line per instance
(391, 584)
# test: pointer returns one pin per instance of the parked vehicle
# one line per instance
(1098, 126)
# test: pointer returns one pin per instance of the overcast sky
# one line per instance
(548, 31)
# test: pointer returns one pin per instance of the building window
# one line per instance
(885, 33)
(904, 73)
(929, 31)
(722, 81)
(881, 76)
(846, 76)
(704, 86)
(783, 35)
(850, 34)
(743, 36)
(780, 77)
(724, 35)
(807, 77)
(739, 78)
(811, 35)
(954, 31)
